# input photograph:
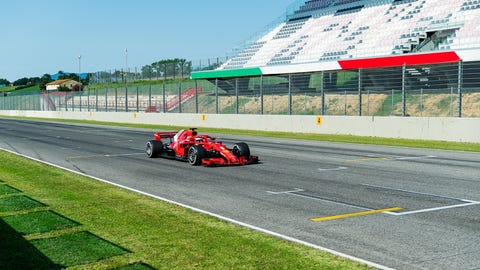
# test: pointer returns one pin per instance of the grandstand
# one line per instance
(321, 35)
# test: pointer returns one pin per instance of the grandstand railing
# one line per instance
(446, 90)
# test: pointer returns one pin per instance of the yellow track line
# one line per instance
(370, 212)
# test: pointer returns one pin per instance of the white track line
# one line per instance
(432, 209)
(413, 158)
(464, 204)
(285, 192)
(332, 169)
(295, 193)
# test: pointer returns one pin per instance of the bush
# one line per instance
(63, 89)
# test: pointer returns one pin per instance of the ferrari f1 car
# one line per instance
(187, 145)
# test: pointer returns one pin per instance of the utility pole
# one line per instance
(126, 59)
(126, 65)
(79, 64)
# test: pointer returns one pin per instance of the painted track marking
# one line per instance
(104, 155)
(464, 202)
(368, 159)
(356, 214)
(285, 192)
(296, 192)
(374, 158)
(332, 169)
(434, 209)
(413, 158)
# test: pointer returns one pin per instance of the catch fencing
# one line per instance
(446, 90)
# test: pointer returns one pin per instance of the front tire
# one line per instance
(241, 150)
(154, 148)
(195, 155)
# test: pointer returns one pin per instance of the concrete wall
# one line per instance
(424, 128)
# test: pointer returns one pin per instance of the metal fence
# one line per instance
(162, 70)
(447, 90)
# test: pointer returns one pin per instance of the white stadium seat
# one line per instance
(327, 30)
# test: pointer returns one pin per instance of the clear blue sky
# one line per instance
(38, 37)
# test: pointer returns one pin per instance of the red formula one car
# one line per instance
(187, 145)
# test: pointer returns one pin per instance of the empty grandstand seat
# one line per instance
(326, 30)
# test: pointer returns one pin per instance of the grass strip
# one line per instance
(162, 235)
(7, 190)
(18, 203)
(77, 248)
(135, 266)
(441, 145)
(17, 253)
(38, 222)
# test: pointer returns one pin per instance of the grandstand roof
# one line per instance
(319, 34)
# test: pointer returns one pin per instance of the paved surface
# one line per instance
(399, 207)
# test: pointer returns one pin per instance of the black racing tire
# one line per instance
(195, 155)
(241, 149)
(154, 148)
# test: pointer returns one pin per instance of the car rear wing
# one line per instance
(164, 135)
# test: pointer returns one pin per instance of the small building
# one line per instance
(69, 83)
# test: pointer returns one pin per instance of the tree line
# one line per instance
(4, 82)
(168, 68)
(27, 82)
(42, 81)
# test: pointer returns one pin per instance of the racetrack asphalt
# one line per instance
(402, 208)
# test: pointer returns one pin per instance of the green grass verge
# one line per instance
(6, 189)
(77, 248)
(442, 145)
(18, 253)
(156, 233)
(18, 203)
(135, 266)
(7, 89)
(38, 222)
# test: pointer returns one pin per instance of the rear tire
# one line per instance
(241, 150)
(154, 148)
(195, 155)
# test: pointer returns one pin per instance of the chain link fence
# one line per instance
(446, 90)
(161, 70)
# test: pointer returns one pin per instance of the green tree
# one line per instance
(4, 81)
(21, 81)
(63, 89)
(164, 66)
(167, 68)
(72, 76)
(187, 68)
(147, 71)
(46, 78)
(86, 81)
(181, 66)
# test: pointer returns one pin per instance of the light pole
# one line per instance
(126, 59)
(79, 64)
(126, 65)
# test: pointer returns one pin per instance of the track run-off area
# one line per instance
(395, 207)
